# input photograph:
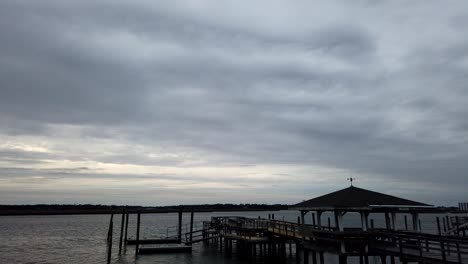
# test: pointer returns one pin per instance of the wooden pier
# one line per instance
(279, 240)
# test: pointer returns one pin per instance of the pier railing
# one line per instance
(423, 246)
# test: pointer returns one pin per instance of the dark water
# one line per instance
(81, 238)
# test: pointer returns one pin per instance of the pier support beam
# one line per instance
(179, 235)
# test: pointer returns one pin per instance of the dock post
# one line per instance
(191, 227)
(122, 222)
(438, 225)
(406, 223)
(109, 239)
(342, 259)
(314, 257)
(298, 251)
(383, 259)
(126, 228)
(306, 256)
(110, 222)
(137, 243)
(321, 257)
(179, 235)
(313, 218)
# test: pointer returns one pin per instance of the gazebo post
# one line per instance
(319, 218)
(339, 220)
(303, 213)
(393, 221)
(415, 217)
(387, 221)
(363, 220)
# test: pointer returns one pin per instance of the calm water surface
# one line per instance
(81, 238)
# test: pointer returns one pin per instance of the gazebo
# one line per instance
(364, 202)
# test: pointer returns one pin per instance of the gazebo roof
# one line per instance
(357, 198)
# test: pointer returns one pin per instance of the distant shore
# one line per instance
(11, 210)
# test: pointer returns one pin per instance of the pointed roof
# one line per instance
(357, 198)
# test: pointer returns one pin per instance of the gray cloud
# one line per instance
(143, 85)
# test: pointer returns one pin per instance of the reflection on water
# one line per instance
(81, 238)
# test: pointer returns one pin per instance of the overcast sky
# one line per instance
(185, 102)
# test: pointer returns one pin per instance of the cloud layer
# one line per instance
(145, 103)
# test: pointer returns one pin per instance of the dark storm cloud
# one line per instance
(354, 92)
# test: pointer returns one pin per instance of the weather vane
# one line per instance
(351, 180)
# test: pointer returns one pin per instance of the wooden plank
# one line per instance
(165, 249)
(152, 241)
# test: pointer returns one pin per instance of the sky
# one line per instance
(188, 102)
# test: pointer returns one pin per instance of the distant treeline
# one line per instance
(57, 209)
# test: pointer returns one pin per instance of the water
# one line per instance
(81, 238)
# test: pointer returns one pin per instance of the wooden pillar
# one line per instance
(122, 225)
(342, 259)
(393, 221)
(314, 257)
(415, 217)
(406, 222)
(387, 221)
(319, 218)
(306, 256)
(313, 218)
(179, 235)
(126, 228)
(303, 213)
(321, 257)
(137, 243)
(383, 259)
(298, 251)
(191, 227)
(337, 221)
(363, 220)
(109, 239)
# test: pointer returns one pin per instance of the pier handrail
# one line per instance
(413, 243)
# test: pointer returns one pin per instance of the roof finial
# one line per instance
(351, 180)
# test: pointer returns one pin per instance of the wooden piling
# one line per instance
(137, 234)
(191, 226)
(179, 235)
(406, 222)
(108, 231)
(126, 228)
(438, 226)
(121, 231)
(321, 257)
(109, 239)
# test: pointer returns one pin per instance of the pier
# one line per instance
(252, 238)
